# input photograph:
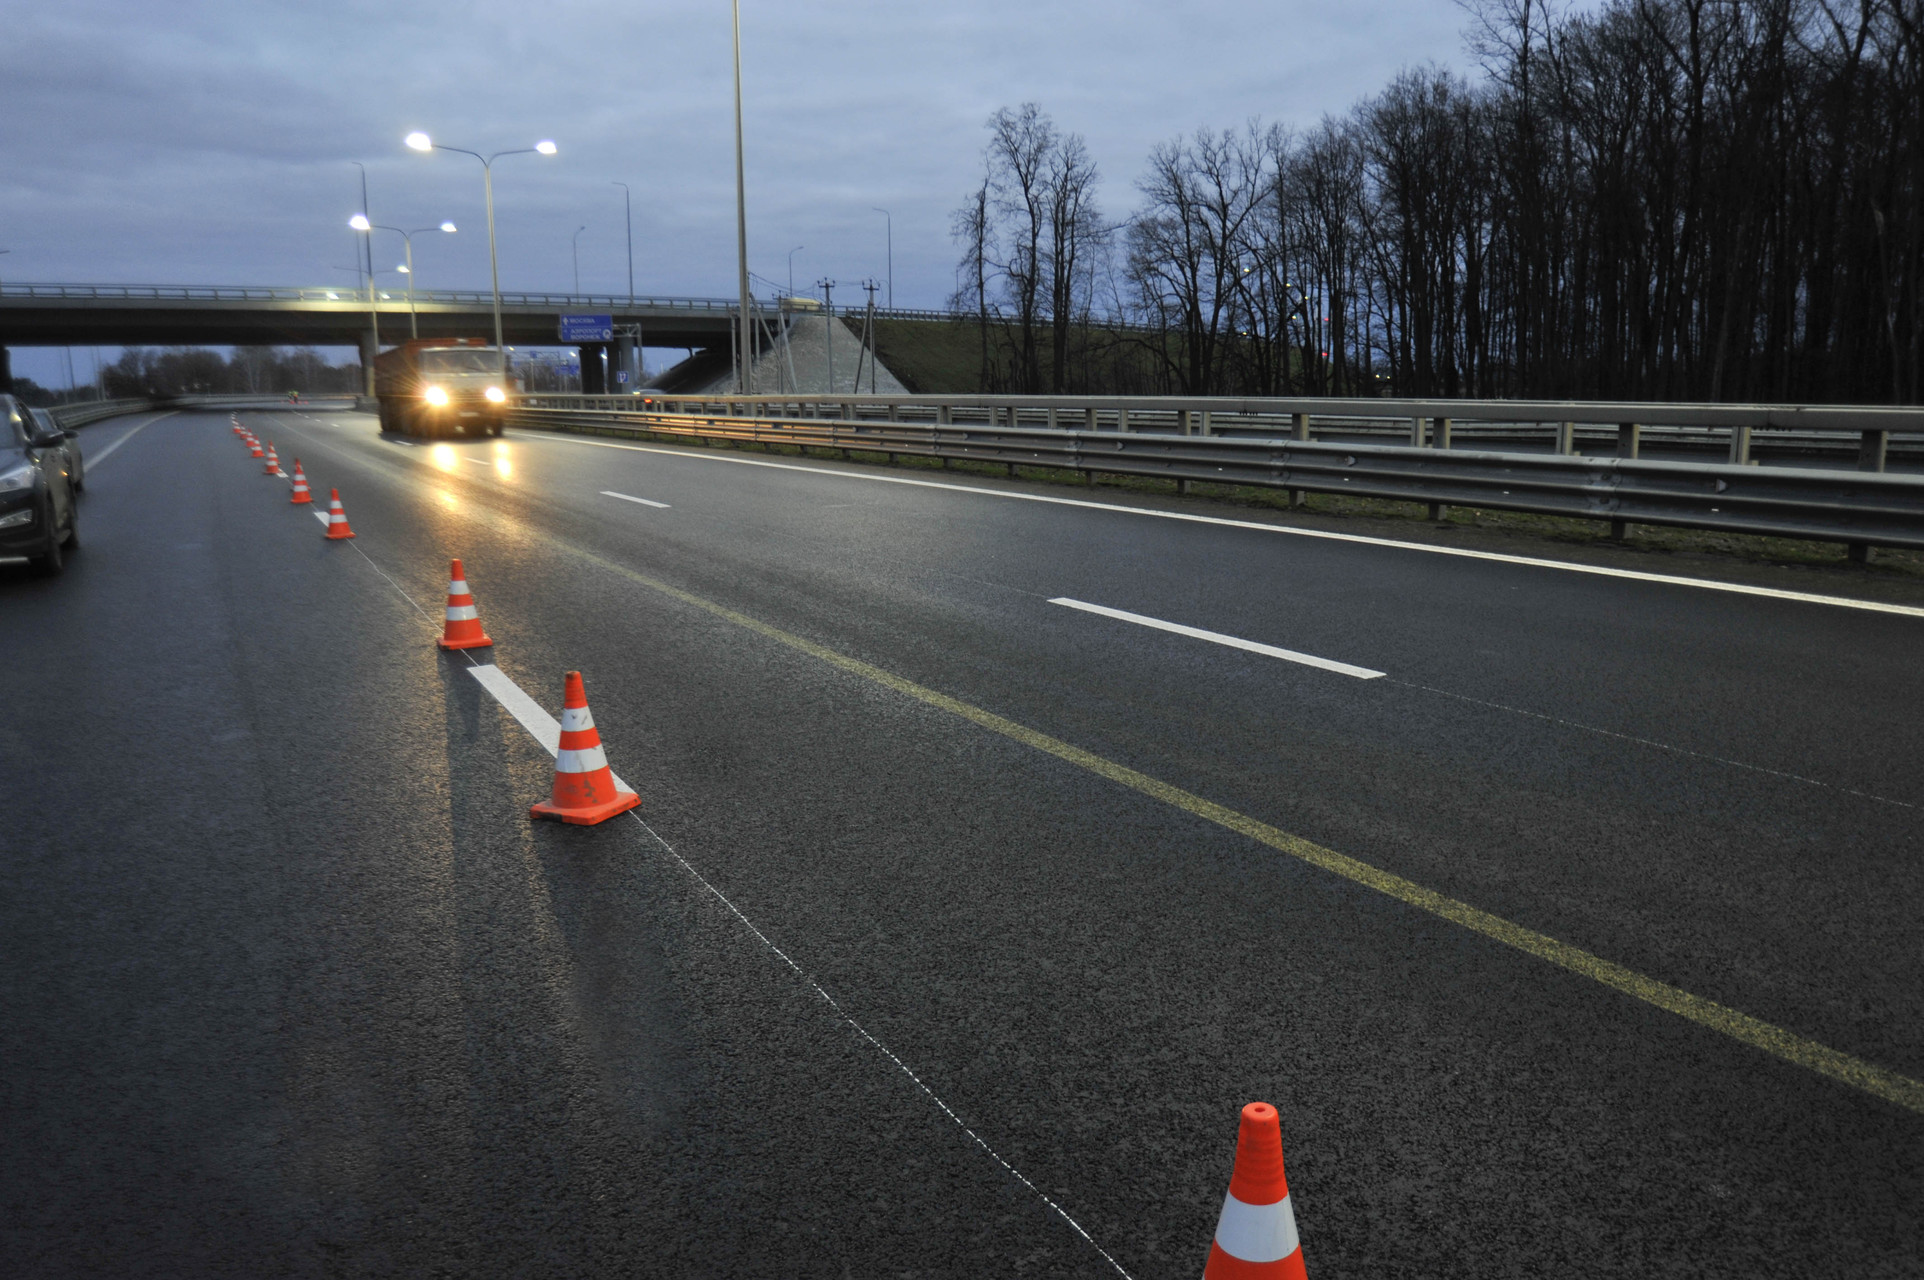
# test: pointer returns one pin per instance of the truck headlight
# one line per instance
(20, 477)
(495, 396)
(437, 397)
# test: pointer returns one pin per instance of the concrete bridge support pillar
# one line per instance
(6, 370)
(625, 361)
(594, 368)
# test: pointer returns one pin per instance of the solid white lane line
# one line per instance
(1217, 637)
(108, 452)
(479, 462)
(628, 497)
(544, 728)
(319, 515)
(1534, 562)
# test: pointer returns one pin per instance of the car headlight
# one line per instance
(436, 396)
(495, 396)
(20, 477)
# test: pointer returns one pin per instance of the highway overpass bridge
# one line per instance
(59, 315)
(62, 315)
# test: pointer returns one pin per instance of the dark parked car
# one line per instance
(70, 444)
(37, 510)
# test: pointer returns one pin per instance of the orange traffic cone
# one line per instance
(254, 448)
(463, 627)
(273, 461)
(336, 518)
(1256, 1234)
(584, 786)
(300, 485)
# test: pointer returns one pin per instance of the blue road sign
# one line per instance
(587, 328)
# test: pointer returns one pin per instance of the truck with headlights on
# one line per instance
(442, 387)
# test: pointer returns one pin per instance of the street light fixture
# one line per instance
(360, 223)
(419, 141)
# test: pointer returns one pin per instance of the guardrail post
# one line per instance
(1873, 447)
(1629, 442)
(1872, 450)
(1088, 419)
(1299, 430)
(1052, 417)
(1122, 423)
(1740, 445)
(1416, 433)
(895, 412)
(1566, 437)
(1208, 422)
(1439, 439)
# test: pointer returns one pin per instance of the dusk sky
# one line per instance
(213, 142)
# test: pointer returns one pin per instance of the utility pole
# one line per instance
(891, 243)
(827, 287)
(868, 339)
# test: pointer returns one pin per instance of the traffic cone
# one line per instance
(1256, 1234)
(254, 448)
(273, 461)
(300, 485)
(584, 786)
(336, 518)
(463, 627)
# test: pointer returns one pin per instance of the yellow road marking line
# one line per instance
(1787, 1045)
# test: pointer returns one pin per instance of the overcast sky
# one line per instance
(212, 141)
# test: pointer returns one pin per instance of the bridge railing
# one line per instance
(1269, 444)
(349, 297)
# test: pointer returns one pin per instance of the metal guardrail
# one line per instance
(1737, 430)
(1860, 508)
(349, 298)
(83, 412)
(69, 416)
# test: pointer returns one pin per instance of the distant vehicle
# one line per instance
(38, 516)
(69, 444)
(442, 387)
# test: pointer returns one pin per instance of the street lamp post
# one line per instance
(574, 246)
(360, 223)
(747, 340)
(890, 225)
(419, 141)
(628, 216)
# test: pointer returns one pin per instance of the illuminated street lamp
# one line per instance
(360, 223)
(419, 141)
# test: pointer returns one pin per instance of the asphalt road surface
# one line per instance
(957, 922)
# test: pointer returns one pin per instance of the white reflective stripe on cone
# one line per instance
(586, 760)
(458, 587)
(575, 719)
(1257, 1232)
(462, 613)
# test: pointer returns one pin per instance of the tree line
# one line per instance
(153, 373)
(1655, 199)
